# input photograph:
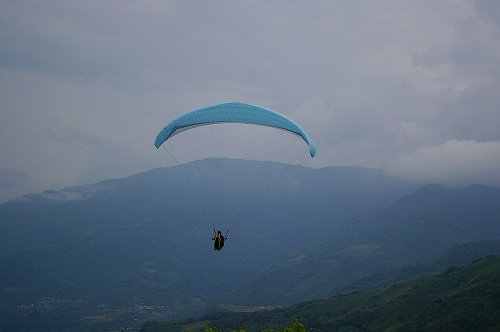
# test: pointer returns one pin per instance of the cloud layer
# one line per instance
(85, 86)
(454, 163)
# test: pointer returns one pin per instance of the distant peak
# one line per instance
(426, 192)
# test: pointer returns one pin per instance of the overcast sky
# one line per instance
(410, 87)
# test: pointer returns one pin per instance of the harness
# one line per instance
(219, 240)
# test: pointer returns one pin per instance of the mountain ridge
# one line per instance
(146, 239)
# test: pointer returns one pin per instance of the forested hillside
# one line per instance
(125, 251)
(458, 299)
(417, 228)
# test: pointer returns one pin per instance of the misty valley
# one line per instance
(336, 248)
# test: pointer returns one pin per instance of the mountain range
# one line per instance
(123, 251)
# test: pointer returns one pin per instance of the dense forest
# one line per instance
(458, 299)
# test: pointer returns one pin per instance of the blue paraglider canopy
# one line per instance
(232, 113)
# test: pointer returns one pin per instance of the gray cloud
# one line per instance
(12, 177)
(85, 87)
(453, 163)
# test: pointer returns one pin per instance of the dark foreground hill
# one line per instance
(458, 299)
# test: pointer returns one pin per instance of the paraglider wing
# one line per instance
(232, 112)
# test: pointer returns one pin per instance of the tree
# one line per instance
(295, 326)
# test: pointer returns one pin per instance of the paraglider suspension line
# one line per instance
(189, 181)
(202, 187)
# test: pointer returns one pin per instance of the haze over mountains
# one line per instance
(145, 240)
